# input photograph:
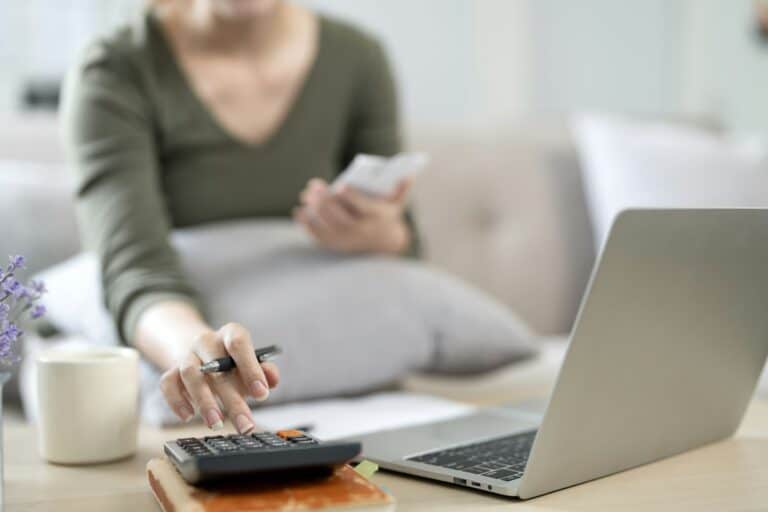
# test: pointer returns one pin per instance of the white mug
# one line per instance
(87, 404)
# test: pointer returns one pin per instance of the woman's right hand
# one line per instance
(187, 389)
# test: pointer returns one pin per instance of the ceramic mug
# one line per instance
(87, 404)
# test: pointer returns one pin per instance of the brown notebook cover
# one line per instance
(345, 490)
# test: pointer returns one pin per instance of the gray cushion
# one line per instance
(347, 324)
(37, 212)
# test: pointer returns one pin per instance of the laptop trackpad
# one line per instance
(398, 443)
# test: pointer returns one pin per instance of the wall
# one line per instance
(490, 62)
(726, 67)
(457, 61)
(503, 61)
(38, 38)
(607, 55)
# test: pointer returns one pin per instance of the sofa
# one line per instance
(502, 207)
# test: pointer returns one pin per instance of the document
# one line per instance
(342, 417)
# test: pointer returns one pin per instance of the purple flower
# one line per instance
(5, 347)
(38, 286)
(16, 262)
(37, 311)
(13, 287)
(11, 332)
(15, 300)
(6, 351)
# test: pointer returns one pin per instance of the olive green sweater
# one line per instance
(148, 155)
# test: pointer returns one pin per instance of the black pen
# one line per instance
(225, 364)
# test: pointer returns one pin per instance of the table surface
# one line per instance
(729, 475)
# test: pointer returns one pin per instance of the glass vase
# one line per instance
(4, 377)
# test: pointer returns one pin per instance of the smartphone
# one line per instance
(378, 175)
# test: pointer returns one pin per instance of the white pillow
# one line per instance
(653, 164)
(347, 324)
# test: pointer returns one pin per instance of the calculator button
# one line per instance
(250, 443)
(289, 434)
(223, 445)
(194, 447)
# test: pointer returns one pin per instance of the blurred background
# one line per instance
(483, 61)
(487, 87)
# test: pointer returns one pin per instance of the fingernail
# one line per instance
(186, 413)
(214, 420)
(243, 423)
(259, 390)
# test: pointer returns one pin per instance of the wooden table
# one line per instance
(730, 475)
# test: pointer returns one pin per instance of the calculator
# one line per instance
(211, 458)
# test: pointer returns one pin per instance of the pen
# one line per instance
(225, 364)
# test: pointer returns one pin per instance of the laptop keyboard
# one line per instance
(503, 458)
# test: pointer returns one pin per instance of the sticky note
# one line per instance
(367, 468)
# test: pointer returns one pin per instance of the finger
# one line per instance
(237, 341)
(334, 214)
(272, 373)
(315, 195)
(304, 196)
(173, 390)
(309, 196)
(316, 227)
(317, 183)
(301, 216)
(231, 393)
(401, 191)
(358, 201)
(197, 387)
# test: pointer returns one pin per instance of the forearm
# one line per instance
(166, 332)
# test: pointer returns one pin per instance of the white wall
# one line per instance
(499, 61)
(490, 62)
(457, 61)
(726, 67)
(38, 38)
(607, 54)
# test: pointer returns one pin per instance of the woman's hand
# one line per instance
(351, 221)
(186, 388)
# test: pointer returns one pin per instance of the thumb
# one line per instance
(401, 191)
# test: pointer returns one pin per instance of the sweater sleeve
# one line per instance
(111, 150)
(375, 118)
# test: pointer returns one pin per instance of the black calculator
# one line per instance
(214, 457)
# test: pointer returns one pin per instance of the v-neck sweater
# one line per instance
(149, 156)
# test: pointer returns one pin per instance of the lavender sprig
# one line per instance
(16, 299)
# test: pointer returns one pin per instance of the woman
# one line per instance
(208, 110)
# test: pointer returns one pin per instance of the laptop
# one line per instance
(664, 356)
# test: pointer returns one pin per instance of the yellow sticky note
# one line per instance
(367, 468)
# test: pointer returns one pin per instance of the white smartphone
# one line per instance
(378, 175)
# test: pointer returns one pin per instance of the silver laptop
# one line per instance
(664, 357)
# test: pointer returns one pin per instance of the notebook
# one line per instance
(344, 491)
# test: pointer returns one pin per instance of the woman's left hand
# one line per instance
(348, 220)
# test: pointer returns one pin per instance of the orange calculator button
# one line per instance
(288, 434)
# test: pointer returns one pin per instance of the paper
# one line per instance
(367, 468)
(379, 175)
(342, 417)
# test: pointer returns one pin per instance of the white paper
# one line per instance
(342, 417)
